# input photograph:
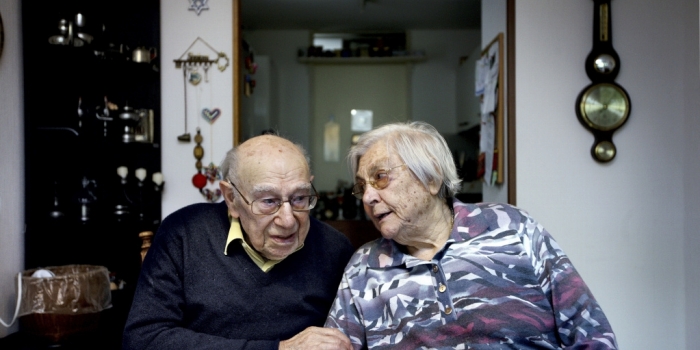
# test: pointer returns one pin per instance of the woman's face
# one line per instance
(400, 211)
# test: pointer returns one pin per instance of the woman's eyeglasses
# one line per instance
(379, 180)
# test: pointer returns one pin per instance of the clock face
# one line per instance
(604, 106)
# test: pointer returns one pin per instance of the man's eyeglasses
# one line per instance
(271, 205)
(380, 180)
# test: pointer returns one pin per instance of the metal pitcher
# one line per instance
(143, 54)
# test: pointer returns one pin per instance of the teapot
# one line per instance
(143, 55)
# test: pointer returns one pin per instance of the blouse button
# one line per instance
(448, 310)
(435, 268)
(442, 288)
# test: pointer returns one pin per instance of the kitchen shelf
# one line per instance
(70, 138)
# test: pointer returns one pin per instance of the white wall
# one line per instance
(11, 162)
(180, 27)
(621, 223)
(691, 169)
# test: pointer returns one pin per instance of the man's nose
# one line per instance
(285, 215)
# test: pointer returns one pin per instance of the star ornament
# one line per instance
(198, 6)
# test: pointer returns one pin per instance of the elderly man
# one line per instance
(255, 272)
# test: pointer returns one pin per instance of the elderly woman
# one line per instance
(447, 274)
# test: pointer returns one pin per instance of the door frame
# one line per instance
(510, 83)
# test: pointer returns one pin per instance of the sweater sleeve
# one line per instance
(580, 321)
(156, 319)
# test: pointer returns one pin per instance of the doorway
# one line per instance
(293, 98)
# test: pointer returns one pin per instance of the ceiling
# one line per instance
(360, 15)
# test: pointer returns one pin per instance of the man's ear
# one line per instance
(227, 192)
(311, 179)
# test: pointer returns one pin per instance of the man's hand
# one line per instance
(314, 338)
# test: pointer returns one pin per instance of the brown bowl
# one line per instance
(57, 328)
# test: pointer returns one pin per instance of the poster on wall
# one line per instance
(488, 83)
(331, 141)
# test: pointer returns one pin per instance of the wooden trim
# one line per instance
(510, 43)
(236, 68)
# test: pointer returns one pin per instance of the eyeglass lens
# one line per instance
(272, 205)
(268, 206)
(380, 180)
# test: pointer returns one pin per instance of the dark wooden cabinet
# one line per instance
(79, 75)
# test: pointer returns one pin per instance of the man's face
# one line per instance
(270, 167)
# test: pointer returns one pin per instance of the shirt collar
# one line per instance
(235, 233)
(469, 223)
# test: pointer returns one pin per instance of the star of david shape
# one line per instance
(198, 6)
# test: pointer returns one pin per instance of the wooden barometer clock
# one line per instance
(603, 106)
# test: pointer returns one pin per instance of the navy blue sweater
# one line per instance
(192, 296)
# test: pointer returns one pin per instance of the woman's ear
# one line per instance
(434, 187)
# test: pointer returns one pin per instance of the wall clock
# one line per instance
(603, 106)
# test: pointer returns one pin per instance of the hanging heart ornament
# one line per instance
(211, 115)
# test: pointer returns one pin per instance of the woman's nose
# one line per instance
(370, 196)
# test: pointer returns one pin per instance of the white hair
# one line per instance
(420, 146)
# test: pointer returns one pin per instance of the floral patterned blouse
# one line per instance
(500, 282)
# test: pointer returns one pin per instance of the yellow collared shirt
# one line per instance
(236, 233)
